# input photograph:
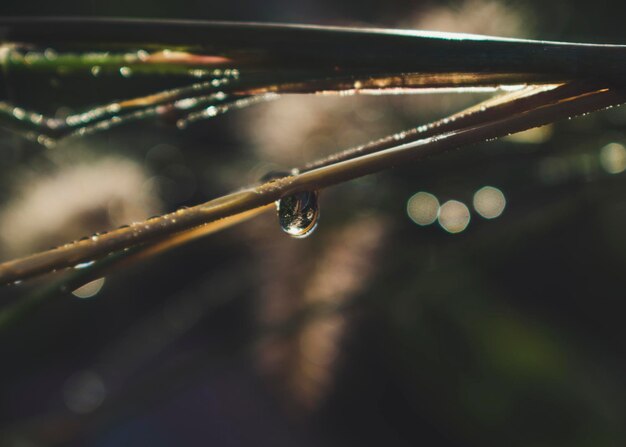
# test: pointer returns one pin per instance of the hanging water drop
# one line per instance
(298, 214)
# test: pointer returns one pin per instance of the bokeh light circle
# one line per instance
(423, 208)
(489, 202)
(613, 158)
(454, 216)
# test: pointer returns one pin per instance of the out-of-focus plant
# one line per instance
(257, 63)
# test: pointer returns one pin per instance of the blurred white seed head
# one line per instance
(72, 202)
(487, 17)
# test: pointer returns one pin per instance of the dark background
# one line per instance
(508, 333)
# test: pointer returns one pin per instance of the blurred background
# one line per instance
(469, 299)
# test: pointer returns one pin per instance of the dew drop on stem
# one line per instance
(298, 213)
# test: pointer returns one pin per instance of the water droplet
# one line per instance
(273, 175)
(126, 72)
(298, 214)
(143, 55)
(84, 265)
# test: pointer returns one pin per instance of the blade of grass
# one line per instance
(273, 59)
(331, 49)
(563, 102)
(76, 278)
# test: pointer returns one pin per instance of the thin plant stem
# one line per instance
(549, 107)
